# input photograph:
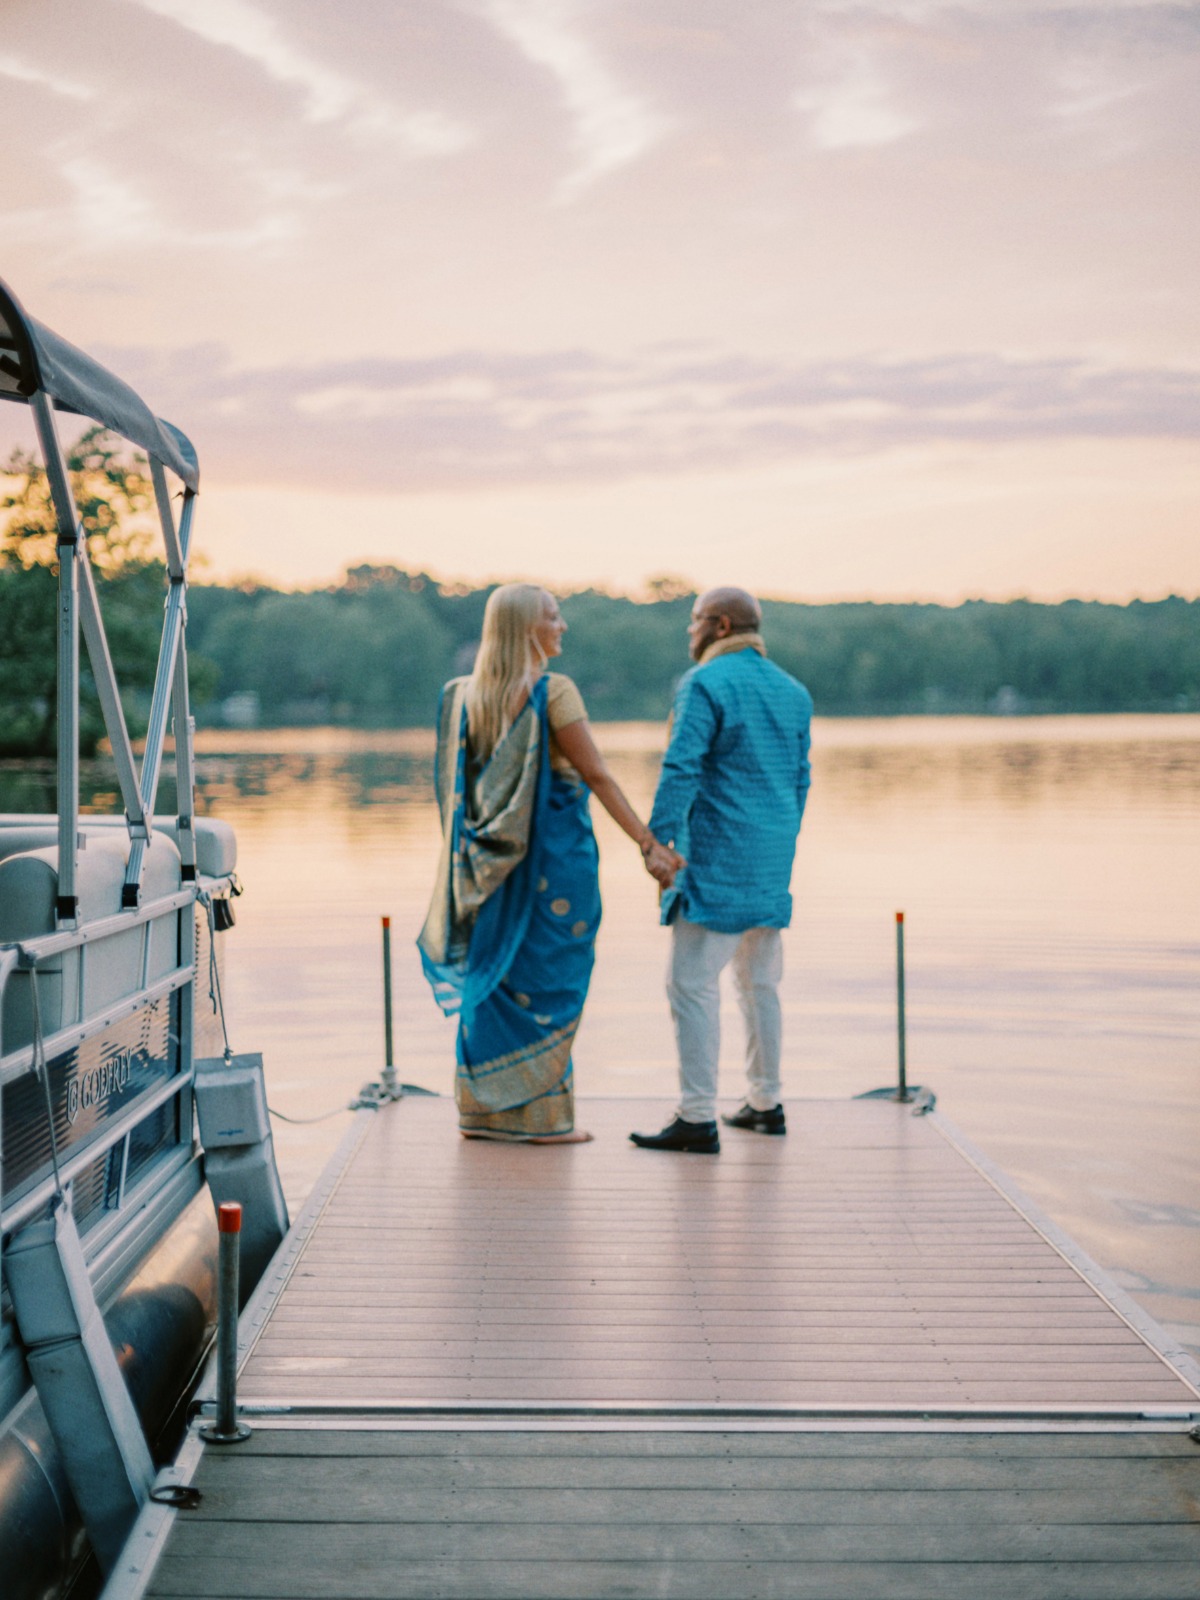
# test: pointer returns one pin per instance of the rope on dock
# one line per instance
(323, 1116)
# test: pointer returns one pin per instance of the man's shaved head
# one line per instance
(719, 613)
(742, 609)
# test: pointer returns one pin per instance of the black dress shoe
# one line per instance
(772, 1121)
(698, 1137)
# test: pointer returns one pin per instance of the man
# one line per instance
(730, 799)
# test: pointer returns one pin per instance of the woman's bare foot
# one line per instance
(576, 1136)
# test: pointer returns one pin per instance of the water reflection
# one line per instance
(1015, 762)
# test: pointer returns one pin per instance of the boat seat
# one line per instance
(113, 966)
(216, 842)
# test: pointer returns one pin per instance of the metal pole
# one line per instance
(67, 902)
(156, 732)
(902, 1087)
(185, 766)
(227, 1429)
(390, 1085)
(68, 539)
(172, 656)
(109, 695)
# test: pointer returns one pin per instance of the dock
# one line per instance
(848, 1363)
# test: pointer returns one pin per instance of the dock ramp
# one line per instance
(848, 1363)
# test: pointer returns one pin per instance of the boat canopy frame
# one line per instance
(50, 375)
(121, 1034)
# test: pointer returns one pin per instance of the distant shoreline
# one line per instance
(639, 735)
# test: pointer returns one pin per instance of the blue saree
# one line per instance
(509, 942)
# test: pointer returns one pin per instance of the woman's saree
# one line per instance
(509, 942)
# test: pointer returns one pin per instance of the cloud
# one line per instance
(1003, 83)
(112, 210)
(854, 108)
(613, 126)
(473, 419)
(329, 96)
(22, 72)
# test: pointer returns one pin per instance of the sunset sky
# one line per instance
(830, 299)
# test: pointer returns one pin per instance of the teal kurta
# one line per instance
(732, 792)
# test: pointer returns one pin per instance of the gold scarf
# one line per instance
(496, 816)
(730, 644)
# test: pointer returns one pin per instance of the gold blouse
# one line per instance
(564, 705)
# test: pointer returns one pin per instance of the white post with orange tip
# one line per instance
(226, 1429)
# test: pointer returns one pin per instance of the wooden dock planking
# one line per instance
(861, 1260)
(863, 1264)
(715, 1515)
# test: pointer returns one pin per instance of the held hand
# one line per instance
(662, 863)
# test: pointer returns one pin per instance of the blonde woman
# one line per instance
(510, 938)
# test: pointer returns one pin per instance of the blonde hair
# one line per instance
(508, 663)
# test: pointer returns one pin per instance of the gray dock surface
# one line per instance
(842, 1363)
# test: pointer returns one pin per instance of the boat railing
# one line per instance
(102, 1062)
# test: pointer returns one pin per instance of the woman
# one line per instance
(510, 938)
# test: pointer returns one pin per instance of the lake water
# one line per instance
(1049, 870)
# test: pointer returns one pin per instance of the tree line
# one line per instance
(374, 649)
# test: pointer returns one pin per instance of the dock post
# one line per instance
(902, 1093)
(227, 1429)
(390, 1084)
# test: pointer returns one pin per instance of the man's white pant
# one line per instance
(698, 957)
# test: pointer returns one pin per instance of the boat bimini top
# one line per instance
(35, 359)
